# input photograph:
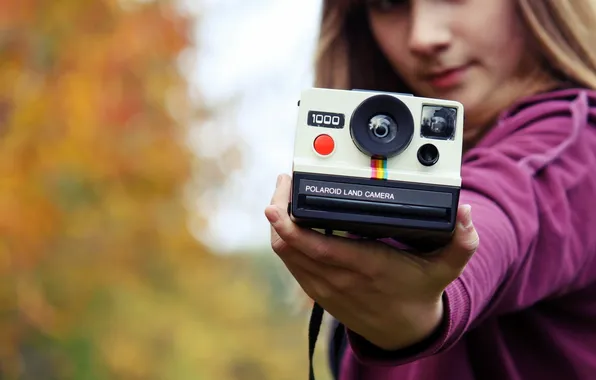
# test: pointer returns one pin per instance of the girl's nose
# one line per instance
(429, 30)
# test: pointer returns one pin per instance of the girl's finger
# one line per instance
(464, 244)
(332, 250)
(320, 281)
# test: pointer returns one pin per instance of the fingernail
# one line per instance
(466, 221)
(278, 181)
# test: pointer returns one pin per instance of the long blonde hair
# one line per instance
(562, 30)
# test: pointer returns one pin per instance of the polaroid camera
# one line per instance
(378, 165)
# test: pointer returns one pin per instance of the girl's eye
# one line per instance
(385, 5)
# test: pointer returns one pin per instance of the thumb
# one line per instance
(456, 255)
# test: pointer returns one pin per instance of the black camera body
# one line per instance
(378, 165)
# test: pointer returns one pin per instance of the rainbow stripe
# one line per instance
(379, 168)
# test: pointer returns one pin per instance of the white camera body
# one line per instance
(378, 165)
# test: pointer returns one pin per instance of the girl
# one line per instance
(514, 294)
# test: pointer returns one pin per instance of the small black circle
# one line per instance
(382, 125)
(428, 154)
(381, 131)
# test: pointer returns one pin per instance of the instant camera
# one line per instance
(378, 165)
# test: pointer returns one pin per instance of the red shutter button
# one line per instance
(324, 145)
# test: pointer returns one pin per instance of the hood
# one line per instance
(578, 104)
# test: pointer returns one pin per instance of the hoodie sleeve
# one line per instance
(528, 192)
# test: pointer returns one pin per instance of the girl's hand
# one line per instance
(391, 298)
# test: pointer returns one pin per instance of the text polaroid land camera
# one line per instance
(378, 165)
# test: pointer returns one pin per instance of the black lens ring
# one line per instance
(382, 104)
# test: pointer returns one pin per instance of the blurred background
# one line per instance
(139, 145)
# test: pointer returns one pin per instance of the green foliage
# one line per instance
(99, 276)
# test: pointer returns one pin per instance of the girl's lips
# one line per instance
(448, 78)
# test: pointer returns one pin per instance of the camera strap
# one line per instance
(314, 326)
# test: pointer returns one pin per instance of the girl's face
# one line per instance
(472, 51)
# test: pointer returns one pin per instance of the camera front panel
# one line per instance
(378, 165)
(386, 136)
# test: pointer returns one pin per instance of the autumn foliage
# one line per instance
(100, 277)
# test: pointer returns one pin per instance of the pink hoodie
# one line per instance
(525, 306)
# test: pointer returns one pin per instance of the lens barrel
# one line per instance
(382, 125)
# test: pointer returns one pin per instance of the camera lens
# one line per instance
(383, 128)
(382, 125)
(380, 130)
(428, 154)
